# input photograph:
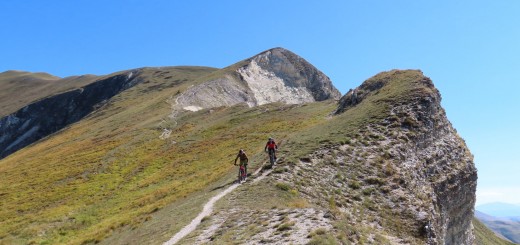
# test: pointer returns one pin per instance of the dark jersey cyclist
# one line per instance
(243, 160)
(271, 146)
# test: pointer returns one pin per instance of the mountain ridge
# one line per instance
(387, 168)
(262, 79)
(507, 227)
(32, 123)
(500, 209)
(20, 88)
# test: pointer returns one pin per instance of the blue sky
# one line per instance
(470, 49)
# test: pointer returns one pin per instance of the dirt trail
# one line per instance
(208, 208)
(175, 107)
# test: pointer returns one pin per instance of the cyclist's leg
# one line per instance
(242, 172)
(245, 165)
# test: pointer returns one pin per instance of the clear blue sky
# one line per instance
(471, 50)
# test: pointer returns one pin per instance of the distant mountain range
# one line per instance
(507, 227)
(500, 209)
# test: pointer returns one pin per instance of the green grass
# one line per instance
(111, 172)
(109, 178)
(484, 236)
(350, 127)
(404, 86)
(18, 89)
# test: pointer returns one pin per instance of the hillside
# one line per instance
(276, 75)
(381, 166)
(508, 227)
(17, 88)
(376, 172)
(138, 145)
(484, 236)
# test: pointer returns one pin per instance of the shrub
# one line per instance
(204, 219)
(354, 185)
(317, 232)
(389, 169)
(322, 239)
(410, 123)
(283, 186)
(347, 141)
(375, 181)
(279, 170)
(368, 191)
(285, 226)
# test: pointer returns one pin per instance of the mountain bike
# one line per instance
(272, 160)
(242, 174)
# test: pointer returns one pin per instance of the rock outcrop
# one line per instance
(388, 168)
(437, 160)
(276, 75)
(48, 115)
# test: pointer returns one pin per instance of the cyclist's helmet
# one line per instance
(270, 139)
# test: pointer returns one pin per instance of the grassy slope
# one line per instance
(372, 111)
(347, 128)
(112, 171)
(216, 145)
(324, 133)
(484, 236)
(58, 186)
(18, 89)
(110, 174)
(508, 229)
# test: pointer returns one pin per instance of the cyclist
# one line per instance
(271, 146)
(243, 161)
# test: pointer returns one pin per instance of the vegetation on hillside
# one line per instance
(484, 236)
(17, 89)
(111, 170)
(354, 191)
(110, 176)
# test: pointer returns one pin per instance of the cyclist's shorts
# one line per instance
(243, 162)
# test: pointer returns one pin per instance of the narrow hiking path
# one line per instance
(208, 208)
(175, 107)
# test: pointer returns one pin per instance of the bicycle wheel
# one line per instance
(242, 176)
(271, 157)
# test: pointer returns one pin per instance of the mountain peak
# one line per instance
(293, 70)
(275, 75)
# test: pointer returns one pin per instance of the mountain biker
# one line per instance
(243, 160)
(271, 146)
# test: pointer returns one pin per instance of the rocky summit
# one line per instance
(276, 75)
(146, 156)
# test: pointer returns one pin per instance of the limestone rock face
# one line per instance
(441, 162)
(300, 78)
(276, 75)
(435, 157)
